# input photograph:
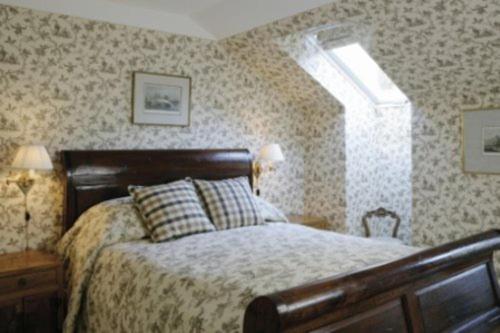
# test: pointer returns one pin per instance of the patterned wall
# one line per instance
(325, 147)
(377, 145)
(445, 56)
(66, 83)
(392, 176)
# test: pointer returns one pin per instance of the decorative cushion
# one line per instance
(229, 203)
(269, 212)
(171, 210)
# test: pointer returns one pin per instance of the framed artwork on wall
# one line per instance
(481, 141)
(161, 99)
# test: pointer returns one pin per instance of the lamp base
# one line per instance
(24, 182)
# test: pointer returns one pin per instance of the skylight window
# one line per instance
(367, 74)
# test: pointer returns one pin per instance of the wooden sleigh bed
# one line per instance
(450, 288)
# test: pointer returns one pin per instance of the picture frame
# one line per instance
(161, 99)
(481, 141)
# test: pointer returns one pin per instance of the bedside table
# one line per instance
(31, 289)
(310, 221)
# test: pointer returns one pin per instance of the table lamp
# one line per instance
(29, 158)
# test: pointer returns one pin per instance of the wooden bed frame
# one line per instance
(450, 288)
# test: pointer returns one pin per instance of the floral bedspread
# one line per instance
(200, 283)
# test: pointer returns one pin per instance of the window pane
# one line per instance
(365, 72)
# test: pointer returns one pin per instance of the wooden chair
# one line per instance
(381, 212)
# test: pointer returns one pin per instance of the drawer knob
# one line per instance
(22, 282)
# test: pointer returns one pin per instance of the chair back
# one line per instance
(381, 212)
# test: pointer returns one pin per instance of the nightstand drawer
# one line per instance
(15, 283)
(31, 292)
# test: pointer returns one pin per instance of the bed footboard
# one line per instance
(450, 288)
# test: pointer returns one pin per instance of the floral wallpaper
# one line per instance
(358, 156)
(326, 133)
(444, 55)
(66, 83)
(393, 167)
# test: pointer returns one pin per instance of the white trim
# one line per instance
(338, 64)
(313, 42)
(351, 76)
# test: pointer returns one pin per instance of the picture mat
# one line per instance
(474, 158)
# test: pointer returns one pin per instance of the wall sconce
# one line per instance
(29, 158)
(268, 155)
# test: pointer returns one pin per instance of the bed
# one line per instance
(258, 288)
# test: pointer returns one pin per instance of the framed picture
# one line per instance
(161, 99)
(481, 141)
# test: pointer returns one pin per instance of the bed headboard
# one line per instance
(93, 176)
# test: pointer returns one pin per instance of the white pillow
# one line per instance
(269, 212)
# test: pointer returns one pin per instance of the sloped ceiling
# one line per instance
(423, 46)
(212, 19)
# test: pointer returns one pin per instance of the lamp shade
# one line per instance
(32, 157)
(271, 153)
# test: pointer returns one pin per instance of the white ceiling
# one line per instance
(213, 19)
(186, 7)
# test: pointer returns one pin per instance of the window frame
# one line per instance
(351, 76)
